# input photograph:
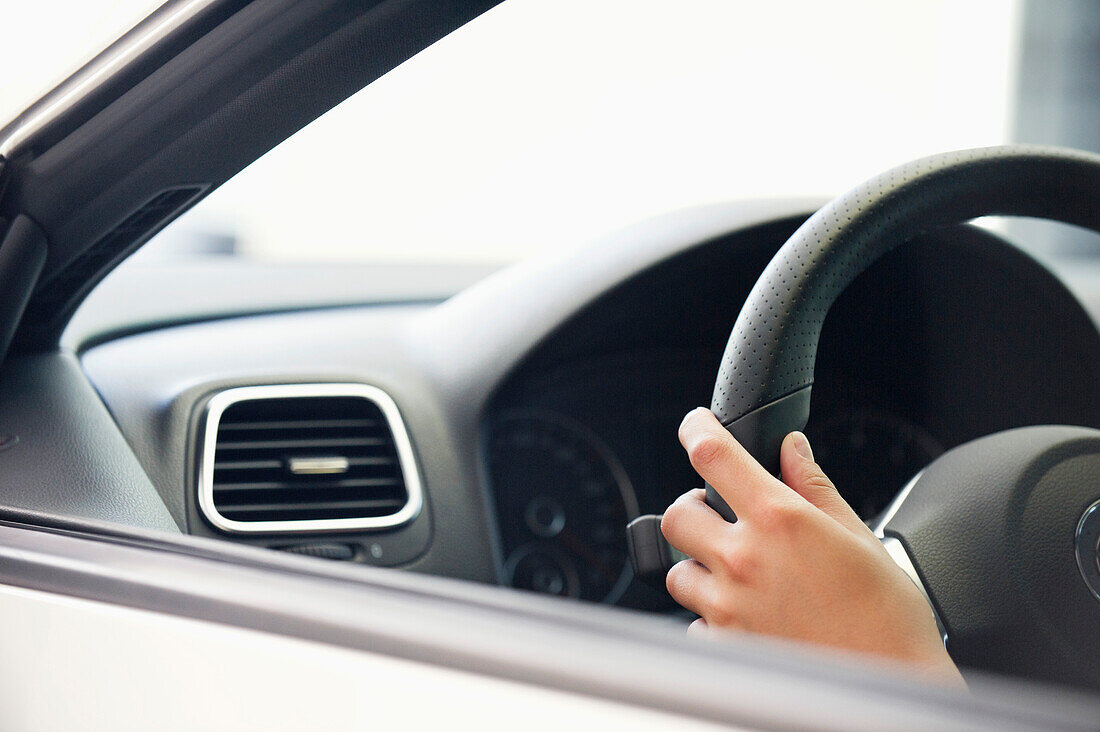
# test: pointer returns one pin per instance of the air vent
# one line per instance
(306, 457)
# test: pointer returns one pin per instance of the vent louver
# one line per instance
(306, 457)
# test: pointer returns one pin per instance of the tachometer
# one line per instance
(871, 455)
(563, 501)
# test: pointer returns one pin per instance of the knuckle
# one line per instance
(780, 516)
(706, 451)
(677, 581)
(818, 481)
(672, 518)
(720, 611)
(736, 561)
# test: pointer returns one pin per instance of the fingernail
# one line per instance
(802, 445)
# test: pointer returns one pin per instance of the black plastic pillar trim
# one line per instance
(22, 256)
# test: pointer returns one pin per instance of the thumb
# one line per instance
(806, 478)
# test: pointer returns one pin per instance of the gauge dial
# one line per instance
(563, 502)
(870, 456)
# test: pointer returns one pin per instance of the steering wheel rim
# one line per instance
(763, 389)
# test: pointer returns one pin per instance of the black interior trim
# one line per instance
(22, 256)
(62, 115)
(199, 117)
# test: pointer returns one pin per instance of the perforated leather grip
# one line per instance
(772, 349)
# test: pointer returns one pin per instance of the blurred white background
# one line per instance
(547, 123)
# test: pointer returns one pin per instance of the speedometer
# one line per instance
(563, 502)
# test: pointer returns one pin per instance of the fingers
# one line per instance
(699, 590)
(691, 585)
(805, 477)
(694, 528)
(724, 464)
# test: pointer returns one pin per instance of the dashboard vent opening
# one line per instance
(306, 457)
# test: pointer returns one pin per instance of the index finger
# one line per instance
(724, 463)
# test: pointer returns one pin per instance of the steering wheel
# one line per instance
(1000, 533)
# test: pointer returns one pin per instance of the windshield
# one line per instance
(550, 123)
(47, 40)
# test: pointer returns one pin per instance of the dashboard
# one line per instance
(543, 402)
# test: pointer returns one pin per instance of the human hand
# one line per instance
(798, 563)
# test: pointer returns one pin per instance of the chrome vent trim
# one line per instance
(406, 461)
